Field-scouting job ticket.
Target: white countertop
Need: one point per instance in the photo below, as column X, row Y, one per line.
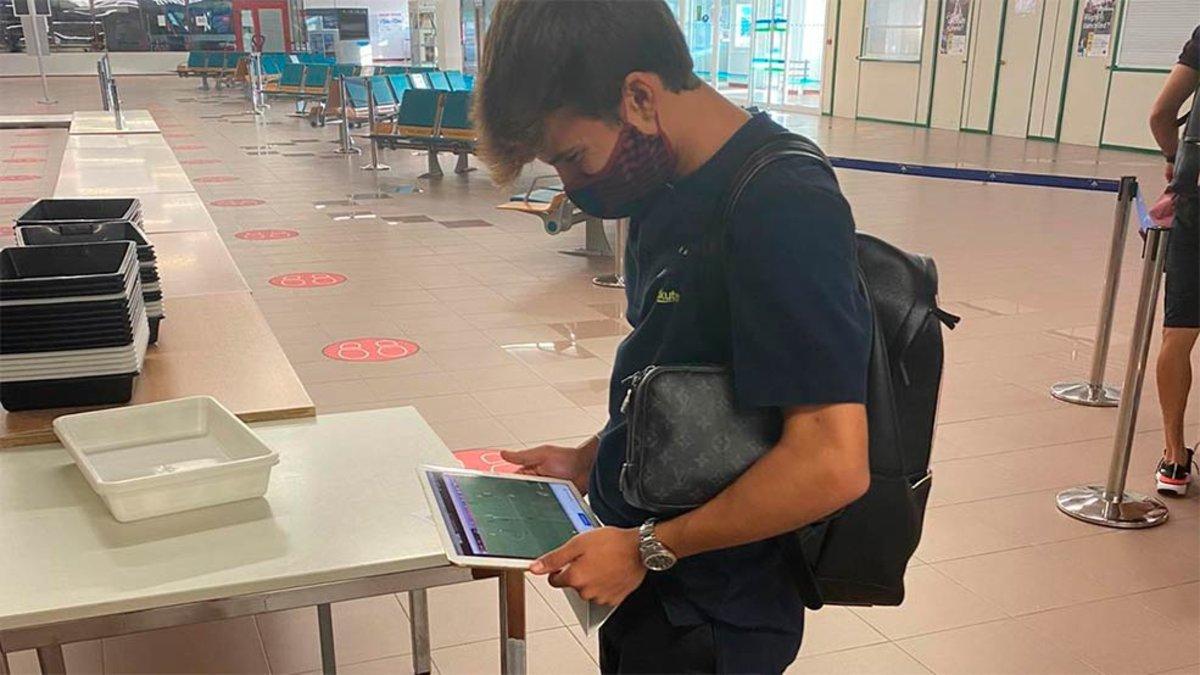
column 102, row 122
column 175, row 212
column 125, row 165
column 344, row 502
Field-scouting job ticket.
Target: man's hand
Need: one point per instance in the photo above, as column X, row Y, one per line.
column 1169, row 172
column 554, row 461
column 603, row 565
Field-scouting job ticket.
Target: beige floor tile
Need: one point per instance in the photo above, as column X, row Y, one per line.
column 932, row 602
column 394, row 665
column 448, row 408
column 1029, row 579
column 834, row 629
column 880, row 659
column 1179, row 604
column 523, row 400
column 231, row 646
column 81, row 658
column 419, row 385
column 340, row 393
column 999, row 647
column 1120, row 635
column 476, row 433
column 544, row 426
column 472, row 358
column 449, row 605
column 573, row 370
column 496, row 377
column 591, row 643
column 363, row 630
column 551, row 652
column 585, row 392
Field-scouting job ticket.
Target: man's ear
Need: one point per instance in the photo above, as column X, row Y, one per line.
column 640, row 97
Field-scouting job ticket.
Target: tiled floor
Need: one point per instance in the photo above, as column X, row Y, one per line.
column 515, row 344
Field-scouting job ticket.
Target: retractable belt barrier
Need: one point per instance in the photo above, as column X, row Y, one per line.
column 1092, row 391
column 1109, row 504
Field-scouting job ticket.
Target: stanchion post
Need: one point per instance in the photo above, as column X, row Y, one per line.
column 1111, row 505
column 346, row 146
column 617, row 278
column 118, row 118
column 374, row 165
column 1094, row 392
column 101, row 73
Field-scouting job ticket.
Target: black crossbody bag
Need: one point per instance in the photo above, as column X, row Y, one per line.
column 687, row 439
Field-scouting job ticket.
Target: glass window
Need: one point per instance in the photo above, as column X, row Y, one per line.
column 1153, row 32
column 892, row 30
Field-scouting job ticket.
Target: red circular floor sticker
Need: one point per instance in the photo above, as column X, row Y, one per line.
column 199, row 161
column 238, row 202
column 484, row 459
column 366, row 349
column 266, row 235
column 214, row 179
column 307, row 280
column 6, row 201
column 18, row 178
column 24, row 160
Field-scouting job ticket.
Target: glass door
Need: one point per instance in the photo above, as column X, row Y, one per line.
column 267, row 18
column 786, row 48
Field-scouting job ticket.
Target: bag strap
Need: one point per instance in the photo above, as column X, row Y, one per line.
column 779, row 146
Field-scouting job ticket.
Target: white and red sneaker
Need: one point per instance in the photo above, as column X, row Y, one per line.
column 1173, row 479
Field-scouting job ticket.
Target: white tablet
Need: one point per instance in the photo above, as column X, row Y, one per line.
column 502, row 520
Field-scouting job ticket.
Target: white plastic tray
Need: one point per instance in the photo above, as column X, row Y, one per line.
column 160, row 458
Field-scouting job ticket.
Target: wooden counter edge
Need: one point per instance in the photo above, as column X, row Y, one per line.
column 44, row 436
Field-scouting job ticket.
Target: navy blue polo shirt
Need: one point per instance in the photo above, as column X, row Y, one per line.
column 797, row 333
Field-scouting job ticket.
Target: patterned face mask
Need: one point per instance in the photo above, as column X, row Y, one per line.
column 639, row 165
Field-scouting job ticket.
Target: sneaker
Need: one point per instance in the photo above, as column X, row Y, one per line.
column 1173, row 479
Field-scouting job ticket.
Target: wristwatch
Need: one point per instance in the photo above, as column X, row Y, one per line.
column 655, row 555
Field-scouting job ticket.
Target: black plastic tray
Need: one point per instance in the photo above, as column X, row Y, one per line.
column 61, row 330
column 66, row 270
column 154, row 321
column 65, row 310
column 84, row 233
column 49, row 211
column 73, row 344
column 33, row 395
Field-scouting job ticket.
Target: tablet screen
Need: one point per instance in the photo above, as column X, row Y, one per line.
column 497, row 517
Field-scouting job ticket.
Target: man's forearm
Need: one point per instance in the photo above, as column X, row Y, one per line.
column 1166, row 134
column 789, row 487
column 587, row 449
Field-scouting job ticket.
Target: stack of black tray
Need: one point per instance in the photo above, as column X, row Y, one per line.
column 74, row 322
column 73, row 221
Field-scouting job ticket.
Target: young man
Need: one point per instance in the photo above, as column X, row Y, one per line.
column 1181, row 316
column 603, row 91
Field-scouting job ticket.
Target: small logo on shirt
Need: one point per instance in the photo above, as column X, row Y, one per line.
column 667, row 297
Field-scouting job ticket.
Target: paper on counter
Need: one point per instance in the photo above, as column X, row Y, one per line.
column 590, row 614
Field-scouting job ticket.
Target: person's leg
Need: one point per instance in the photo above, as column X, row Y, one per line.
column 638, row 638
column 1174, row 381
column 1181, row 325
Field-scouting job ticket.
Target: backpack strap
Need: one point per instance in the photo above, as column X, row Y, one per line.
column 780, row 146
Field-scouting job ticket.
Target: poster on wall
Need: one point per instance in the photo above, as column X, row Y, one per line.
column 1095, row 33
column 954, row 27
column 745, row 24
column 391, row 29
column 1026, row 7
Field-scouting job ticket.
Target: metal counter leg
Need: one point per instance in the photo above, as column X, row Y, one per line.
column 51, row 660
column 617, row 278
column 512, row 622
column 461, row 166
column 433, row 166
column 325, row 630
column 418, row 614
column 4, row 664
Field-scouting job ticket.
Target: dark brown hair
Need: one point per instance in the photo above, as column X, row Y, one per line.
column 540, row 56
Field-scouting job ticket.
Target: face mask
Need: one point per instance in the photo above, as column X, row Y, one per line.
column 639, row 165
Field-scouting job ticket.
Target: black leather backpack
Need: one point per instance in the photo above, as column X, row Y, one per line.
column 859, row 555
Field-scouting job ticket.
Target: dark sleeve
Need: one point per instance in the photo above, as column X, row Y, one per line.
column 801, row 327
column 1190, row 56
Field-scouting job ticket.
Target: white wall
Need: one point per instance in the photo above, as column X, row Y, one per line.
column 1021, row 77
column 84, row 63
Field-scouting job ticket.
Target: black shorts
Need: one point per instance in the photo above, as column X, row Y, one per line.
column 1181, row 300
